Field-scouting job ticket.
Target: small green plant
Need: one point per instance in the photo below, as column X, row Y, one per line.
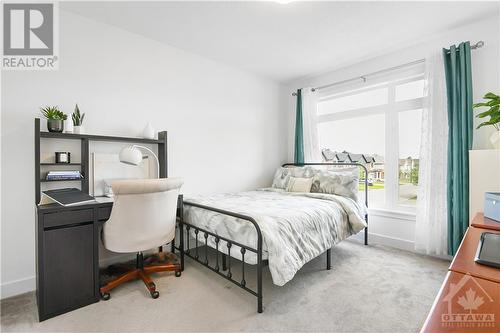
column 77, row 116
column 493, row 103
column 53, row 112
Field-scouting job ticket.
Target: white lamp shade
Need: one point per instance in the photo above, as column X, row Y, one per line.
column 131, row 155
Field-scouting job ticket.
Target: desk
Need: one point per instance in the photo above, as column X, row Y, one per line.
column 465, row 273
column 67, row 255
column 480, row 221
column 464, row 263
column 67, row 238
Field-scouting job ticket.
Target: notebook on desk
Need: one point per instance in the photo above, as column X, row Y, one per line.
column 488, row 250
column 66, row 197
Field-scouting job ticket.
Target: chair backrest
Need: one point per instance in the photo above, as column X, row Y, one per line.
column 143, row 214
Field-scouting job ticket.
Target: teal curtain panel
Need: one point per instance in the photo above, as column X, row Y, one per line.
column 457, row 62
column 299, row 131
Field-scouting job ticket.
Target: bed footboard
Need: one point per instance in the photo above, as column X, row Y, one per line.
column 222, row 264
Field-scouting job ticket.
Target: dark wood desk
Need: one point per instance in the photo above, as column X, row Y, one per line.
column 67, row 238
column 446, row 314
column 67, row 256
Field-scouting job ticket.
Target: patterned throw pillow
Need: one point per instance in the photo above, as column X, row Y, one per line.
column 282, row 175
column 299, row 185
column 343, row 182
column 304, row 172
column 281, row 178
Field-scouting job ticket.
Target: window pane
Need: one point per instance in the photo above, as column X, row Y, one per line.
column 361, row 100
column 360, row 135
column 410, row 90
column 410, row 125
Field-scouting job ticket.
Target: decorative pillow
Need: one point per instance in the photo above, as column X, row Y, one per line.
column 304, row 172
column 282, row 177
column 343, row 182
column 299, row 184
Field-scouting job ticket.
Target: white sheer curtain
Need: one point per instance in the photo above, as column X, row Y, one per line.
column 312, row 152
column 431, row 224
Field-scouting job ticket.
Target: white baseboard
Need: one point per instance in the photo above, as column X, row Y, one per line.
column 17, row 287
column 397, row 243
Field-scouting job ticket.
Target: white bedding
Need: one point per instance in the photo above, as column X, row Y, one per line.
column 296, row 227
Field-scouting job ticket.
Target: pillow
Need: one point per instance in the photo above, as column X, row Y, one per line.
column 283, row 174
column 299, row 184
column 343, row 182
column 304, row 172
column 281, row 178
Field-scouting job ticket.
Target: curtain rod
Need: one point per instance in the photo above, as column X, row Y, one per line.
column 363, row 77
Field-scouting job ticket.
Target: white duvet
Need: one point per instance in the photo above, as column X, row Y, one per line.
column 296, row 227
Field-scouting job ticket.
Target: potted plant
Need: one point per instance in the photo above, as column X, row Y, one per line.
column 55, row 118
column 493, row 104
column 78, row 121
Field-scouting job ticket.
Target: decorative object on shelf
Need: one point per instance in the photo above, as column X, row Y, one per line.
column 78, row 121
column 64, row 175
column 63, row 157
column 55, row 118
column 148, row 132
column 493, row 103
column 68, row 126
column 133, row 156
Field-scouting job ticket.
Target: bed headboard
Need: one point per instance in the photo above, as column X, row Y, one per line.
column 337, row 164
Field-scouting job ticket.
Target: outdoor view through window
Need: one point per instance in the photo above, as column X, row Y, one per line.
column 380, row 127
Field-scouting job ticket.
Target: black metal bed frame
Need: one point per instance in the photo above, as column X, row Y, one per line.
column 223, row 268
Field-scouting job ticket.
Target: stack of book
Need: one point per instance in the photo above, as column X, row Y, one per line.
column 64, row 175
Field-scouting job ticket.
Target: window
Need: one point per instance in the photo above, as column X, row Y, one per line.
column 378, row 124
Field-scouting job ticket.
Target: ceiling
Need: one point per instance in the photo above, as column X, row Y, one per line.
column 285, row 41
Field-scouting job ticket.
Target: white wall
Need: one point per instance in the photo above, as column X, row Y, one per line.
column 226, row 128
column 398, row 230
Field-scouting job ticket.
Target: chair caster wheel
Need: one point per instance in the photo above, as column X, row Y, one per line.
column 105, row 296
column 177, row 273
column 155, row 294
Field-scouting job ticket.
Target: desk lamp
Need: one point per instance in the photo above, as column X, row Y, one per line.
column 133, row 156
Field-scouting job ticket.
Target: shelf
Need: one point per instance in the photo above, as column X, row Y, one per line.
column 60, row 163
column 55, row 135
column 60, row 180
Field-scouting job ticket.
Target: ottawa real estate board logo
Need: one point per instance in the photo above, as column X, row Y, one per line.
column 469, row 306
column 30, row 36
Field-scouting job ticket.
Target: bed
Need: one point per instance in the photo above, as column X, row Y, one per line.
column 273, row 226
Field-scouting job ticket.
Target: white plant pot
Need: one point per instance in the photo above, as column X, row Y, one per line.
column 495, row 139
column 148, row 132
column 79, row 130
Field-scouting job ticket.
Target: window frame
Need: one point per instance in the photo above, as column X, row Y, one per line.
column 391, row 110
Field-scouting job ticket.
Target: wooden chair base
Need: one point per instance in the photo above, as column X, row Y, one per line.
column 142, row 272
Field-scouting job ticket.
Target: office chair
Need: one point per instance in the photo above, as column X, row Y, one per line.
column 143, row 217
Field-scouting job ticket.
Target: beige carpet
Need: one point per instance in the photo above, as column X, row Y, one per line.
column 369, row 289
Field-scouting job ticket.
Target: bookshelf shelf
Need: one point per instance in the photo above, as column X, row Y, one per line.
column 61, row 164
column 60, row 180
column 90, row 137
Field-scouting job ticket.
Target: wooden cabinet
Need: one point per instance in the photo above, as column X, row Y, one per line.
column 69, row 267
column 67, row 257
column 469, row 297
column 448, row 314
